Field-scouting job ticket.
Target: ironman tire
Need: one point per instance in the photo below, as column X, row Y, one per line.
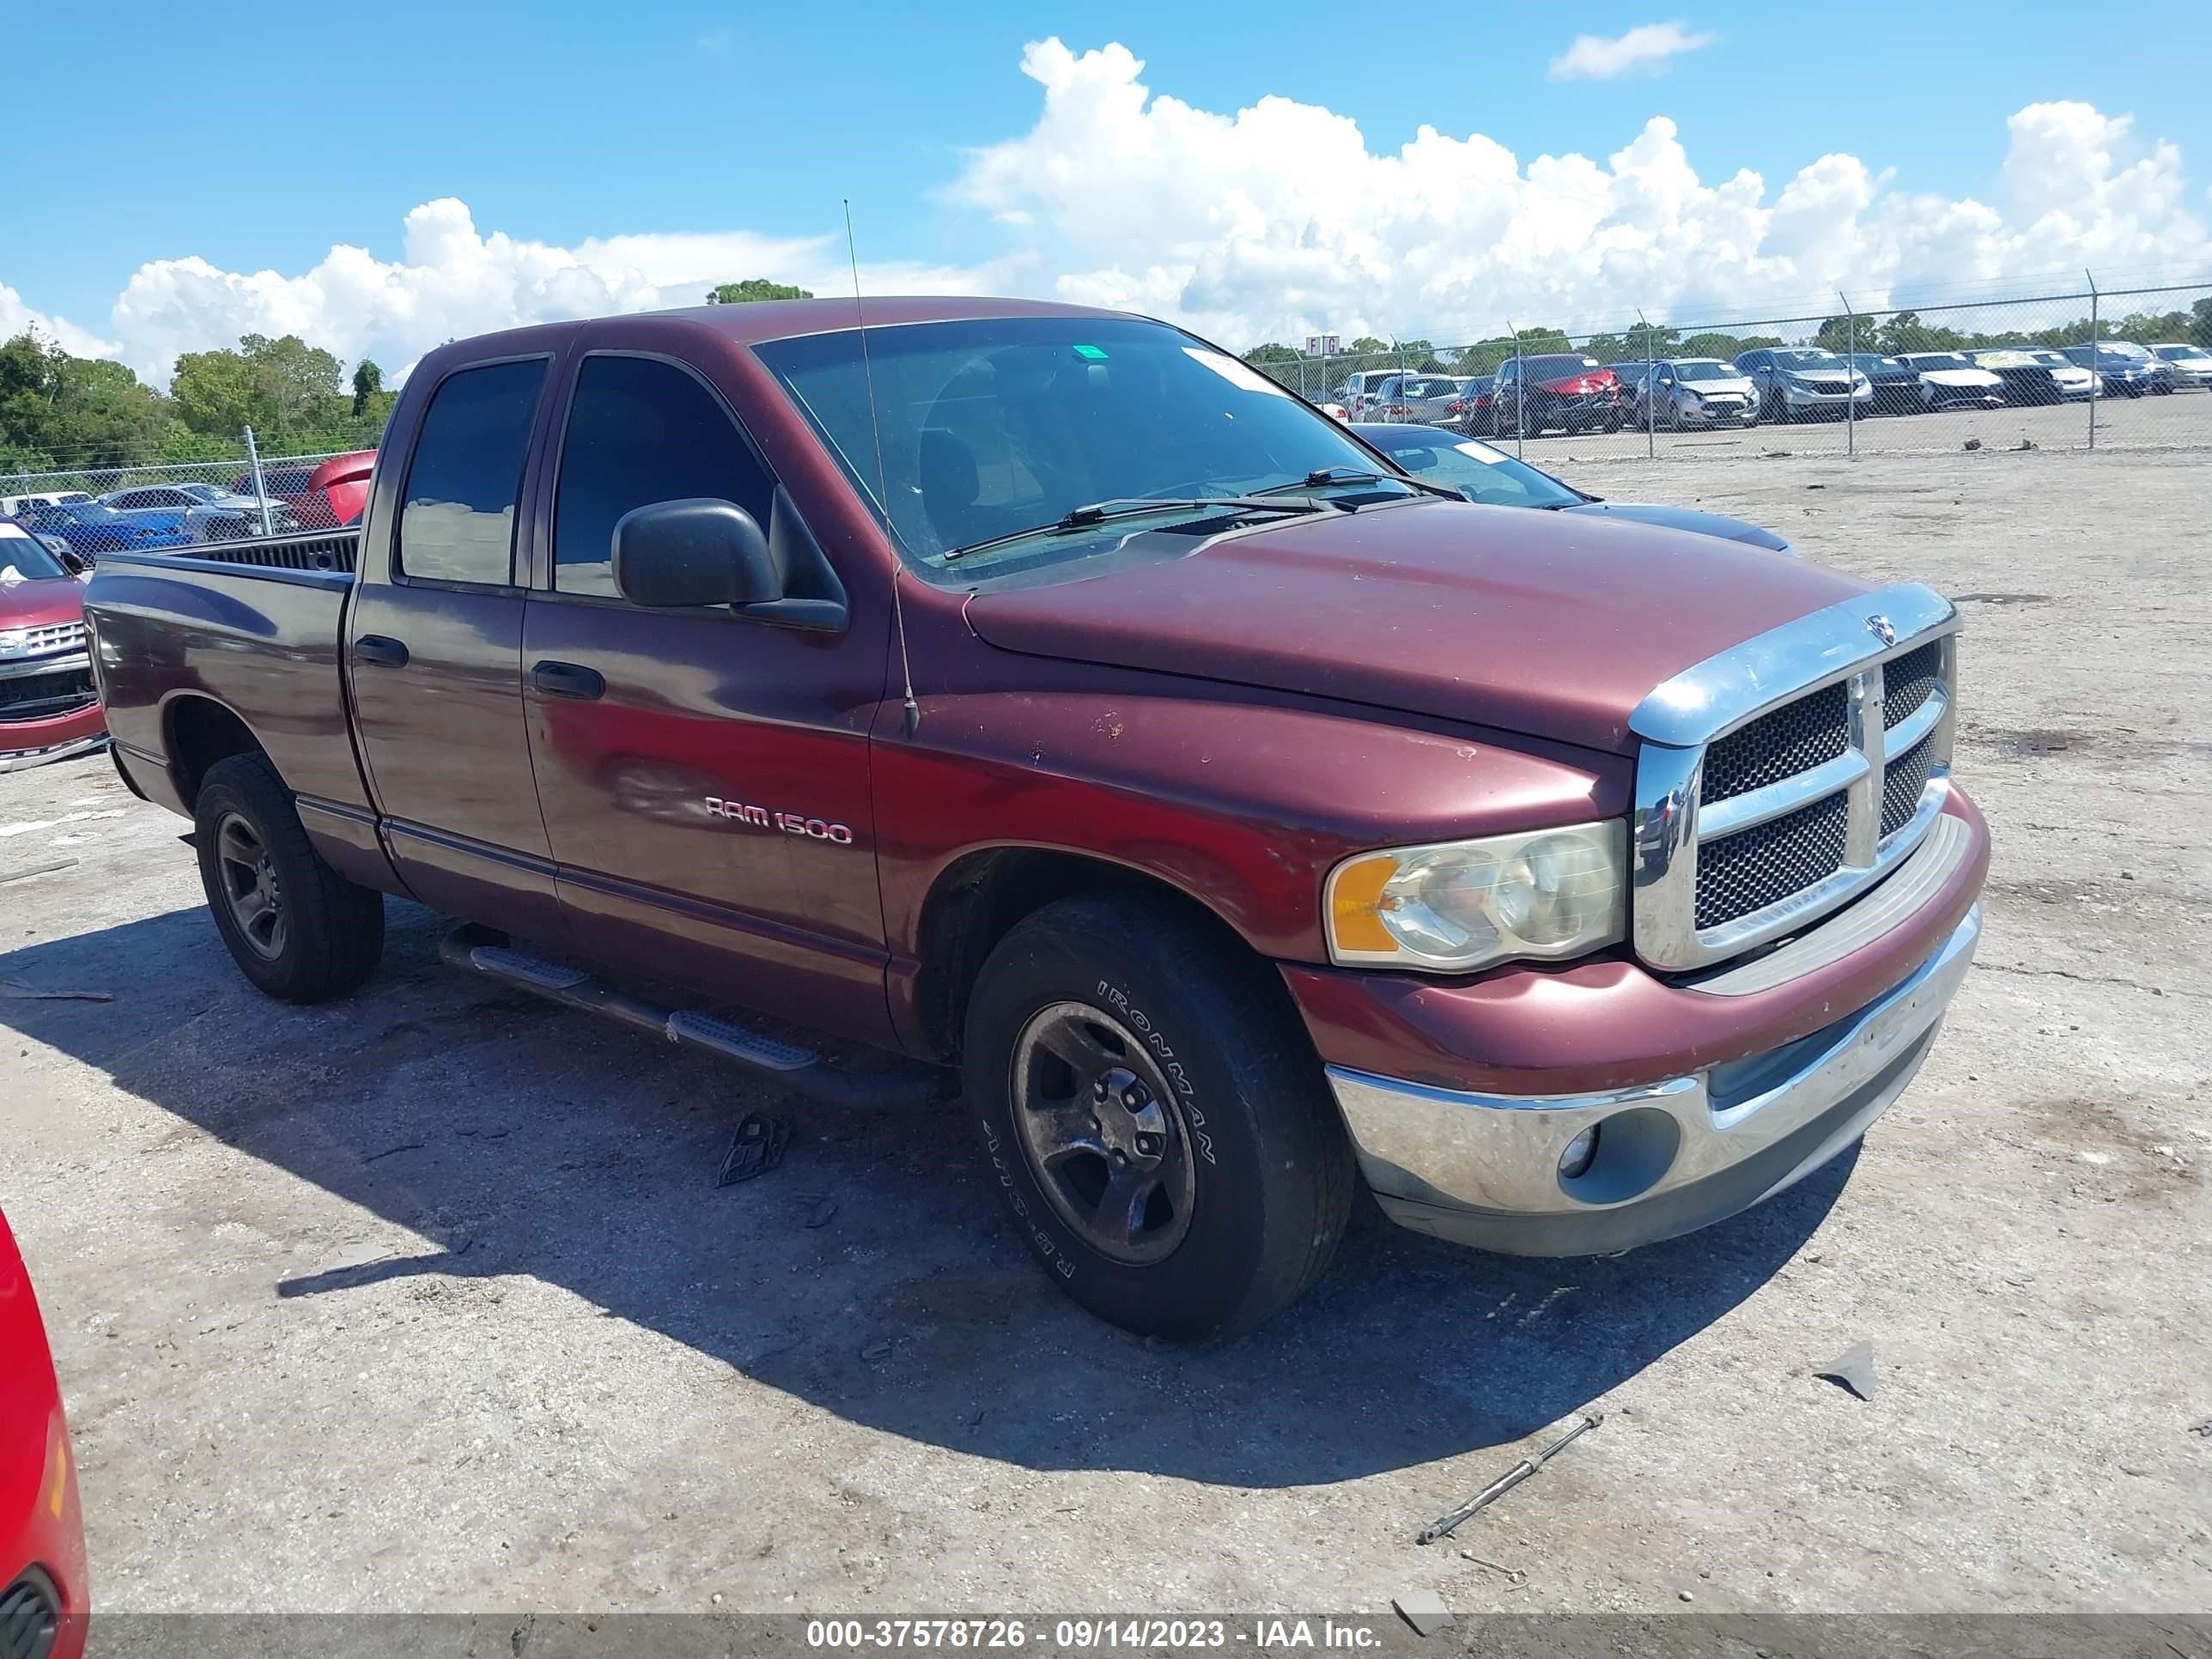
column 1155, row 1118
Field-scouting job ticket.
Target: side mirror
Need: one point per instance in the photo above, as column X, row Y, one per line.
column 698, row 551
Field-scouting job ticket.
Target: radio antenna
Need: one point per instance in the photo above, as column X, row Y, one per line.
column 883, row 487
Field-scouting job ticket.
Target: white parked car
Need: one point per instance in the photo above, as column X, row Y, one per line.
column 15, row 506
column 2035, row 374
column 2193, row 360
column 1691, row 391
column 205, row 511
column 1950, row 380
column 1357, row 391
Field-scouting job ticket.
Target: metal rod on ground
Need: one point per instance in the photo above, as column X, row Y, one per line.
column 261, row 494
column 1442, row 1525
column 2096, row 360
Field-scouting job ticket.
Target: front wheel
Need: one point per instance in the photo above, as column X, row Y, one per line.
column 1155, row 1118
column 297, row 929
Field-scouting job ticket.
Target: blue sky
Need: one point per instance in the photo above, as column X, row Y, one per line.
column 259, row 137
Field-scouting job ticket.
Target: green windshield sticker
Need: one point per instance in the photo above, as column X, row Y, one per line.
column 1093, row 353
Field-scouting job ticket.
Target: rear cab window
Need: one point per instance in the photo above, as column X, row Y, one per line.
column 465, row 479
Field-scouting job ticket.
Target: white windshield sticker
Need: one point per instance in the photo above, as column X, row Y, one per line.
column 1482, row 452
column 1242, row 375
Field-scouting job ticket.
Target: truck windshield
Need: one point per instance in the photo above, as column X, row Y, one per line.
column 998, row 427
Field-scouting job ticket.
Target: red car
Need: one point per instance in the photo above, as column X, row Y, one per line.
column 338, row 490
column 1558, row 390
column 49, row 708
column 43, row 1597
column 325, row 497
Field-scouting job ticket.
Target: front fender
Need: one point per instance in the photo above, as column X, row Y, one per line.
column 1240, row 802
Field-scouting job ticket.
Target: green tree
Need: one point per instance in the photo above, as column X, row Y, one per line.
column 1723, row 346
column 1272, row 352
column 1367, row 343
column 73, row 411
column 1905, row 331
column 754, row 288
column 287, row 390
column 368, row 382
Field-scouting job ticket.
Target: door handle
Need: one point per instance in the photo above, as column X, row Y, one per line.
column 568, row 679
column 375, row 647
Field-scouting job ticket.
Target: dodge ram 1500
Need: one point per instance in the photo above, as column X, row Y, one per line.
column 1041, row 696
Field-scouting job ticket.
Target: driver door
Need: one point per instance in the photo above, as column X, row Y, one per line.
column 703, row 777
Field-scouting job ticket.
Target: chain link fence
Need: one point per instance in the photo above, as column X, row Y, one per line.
column 2094, row 369
column 168, row 504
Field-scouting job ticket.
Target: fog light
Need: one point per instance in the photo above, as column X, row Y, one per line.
column 1576, row 1160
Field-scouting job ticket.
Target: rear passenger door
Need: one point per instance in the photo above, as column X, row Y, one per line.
column 436, row 657
column 703, row 776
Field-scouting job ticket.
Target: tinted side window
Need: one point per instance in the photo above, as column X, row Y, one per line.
column 642, row 431
column 457, row 523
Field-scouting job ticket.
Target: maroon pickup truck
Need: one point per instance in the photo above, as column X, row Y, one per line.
column 1043, row 698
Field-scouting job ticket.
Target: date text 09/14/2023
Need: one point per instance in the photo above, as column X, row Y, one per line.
column 1079, row 1634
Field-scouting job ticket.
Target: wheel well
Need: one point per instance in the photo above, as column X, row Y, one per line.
column 978, row 900
column 202, row 731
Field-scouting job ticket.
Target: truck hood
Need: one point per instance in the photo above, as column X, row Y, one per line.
column 42, row 603
column 1551, row 624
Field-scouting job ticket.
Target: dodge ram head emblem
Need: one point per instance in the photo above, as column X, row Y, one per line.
column 1879, row 627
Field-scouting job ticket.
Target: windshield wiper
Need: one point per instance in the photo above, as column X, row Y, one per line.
column 1324, row 476
column 1131, row 507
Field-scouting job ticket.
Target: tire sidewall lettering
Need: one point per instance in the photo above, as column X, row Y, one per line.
column 1186, row 1091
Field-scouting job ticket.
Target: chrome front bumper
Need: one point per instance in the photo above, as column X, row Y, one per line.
column 1671, row 1157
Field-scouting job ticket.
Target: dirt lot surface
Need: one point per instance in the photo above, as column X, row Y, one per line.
column 426, row 1300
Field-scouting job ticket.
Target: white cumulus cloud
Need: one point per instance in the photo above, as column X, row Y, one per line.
column 17, row 317
column 1271, row 222
column 452, row 280
column 1280, row 220
column 1646, row 50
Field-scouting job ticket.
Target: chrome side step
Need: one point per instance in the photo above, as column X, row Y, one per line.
column 782, row 1065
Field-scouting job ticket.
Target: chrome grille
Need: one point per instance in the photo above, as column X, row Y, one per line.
column 1779, row 778
column 1907, row 681
column 1762, row 865
column 53, row 637
column 1795, row 737
column 1904, row 781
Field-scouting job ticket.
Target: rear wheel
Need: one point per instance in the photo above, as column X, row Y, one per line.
column 1156, row 1120
column 297, row 929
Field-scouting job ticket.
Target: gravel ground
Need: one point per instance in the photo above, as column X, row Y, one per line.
column 426, row 1300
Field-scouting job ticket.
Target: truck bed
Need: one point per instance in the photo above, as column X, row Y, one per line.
column 255, row 626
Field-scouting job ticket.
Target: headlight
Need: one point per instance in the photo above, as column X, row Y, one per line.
column 16, row 642
column 1456, row 906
